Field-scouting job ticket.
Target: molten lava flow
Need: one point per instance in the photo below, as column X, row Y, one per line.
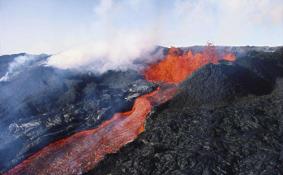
column 82, row 151
column 178, row 65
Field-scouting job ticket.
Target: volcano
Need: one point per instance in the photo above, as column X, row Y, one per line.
column 193, row 111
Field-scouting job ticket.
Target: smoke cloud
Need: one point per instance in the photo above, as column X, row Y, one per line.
column 101, row 56
column 112, row 45
column 122, row 30
column 20, row 64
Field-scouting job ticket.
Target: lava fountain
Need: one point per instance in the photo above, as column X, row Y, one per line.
column 178, row 65
column 81, row 152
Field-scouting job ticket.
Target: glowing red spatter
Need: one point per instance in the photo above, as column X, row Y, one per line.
column 80, row 152
column 178, row 65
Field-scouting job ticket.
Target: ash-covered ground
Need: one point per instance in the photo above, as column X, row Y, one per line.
column 227, row 119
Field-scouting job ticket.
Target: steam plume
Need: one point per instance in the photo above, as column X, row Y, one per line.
column 19, row 64
column 112, row 54
column 115, row 43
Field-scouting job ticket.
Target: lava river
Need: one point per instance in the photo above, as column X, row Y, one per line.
column 81, row 152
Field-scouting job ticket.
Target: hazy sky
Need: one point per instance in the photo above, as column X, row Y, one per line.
column 53, row 26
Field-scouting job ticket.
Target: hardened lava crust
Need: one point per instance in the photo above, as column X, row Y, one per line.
column 227, row 119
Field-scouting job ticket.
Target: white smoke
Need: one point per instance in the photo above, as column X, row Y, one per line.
column 101, row 56
column 114, row 47
column 17, row 66
column 124, row 30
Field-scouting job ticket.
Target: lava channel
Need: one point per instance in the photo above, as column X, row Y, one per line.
column 81, row 152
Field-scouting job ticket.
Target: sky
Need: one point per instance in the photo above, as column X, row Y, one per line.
column 54, row 26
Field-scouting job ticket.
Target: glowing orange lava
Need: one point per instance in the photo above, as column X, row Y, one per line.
column 178, row 65
column 81, row 152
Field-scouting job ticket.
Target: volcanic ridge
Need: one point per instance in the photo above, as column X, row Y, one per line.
column 196, row 110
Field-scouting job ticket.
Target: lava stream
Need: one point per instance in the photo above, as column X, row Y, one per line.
column 80, row 152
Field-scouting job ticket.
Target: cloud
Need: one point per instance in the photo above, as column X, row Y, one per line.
column 117, row 53
column 233, row 22
column 114, row 45
column 104, row 7
column 124, row 30
column 255, row 11
column 55, row 26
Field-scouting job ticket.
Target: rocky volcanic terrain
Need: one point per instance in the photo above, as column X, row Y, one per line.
column 41, row 104
column 225, row 119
